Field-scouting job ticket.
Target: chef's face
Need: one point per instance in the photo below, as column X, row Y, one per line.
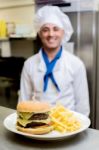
column 51, row 36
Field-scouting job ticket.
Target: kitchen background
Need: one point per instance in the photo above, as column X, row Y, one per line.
column 18, row 41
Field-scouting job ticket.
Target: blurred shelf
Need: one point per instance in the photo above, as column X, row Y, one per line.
column 17, row 37
column 4, row 39
column 21, row 37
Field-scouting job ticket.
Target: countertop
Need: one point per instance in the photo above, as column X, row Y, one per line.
column 87, row 140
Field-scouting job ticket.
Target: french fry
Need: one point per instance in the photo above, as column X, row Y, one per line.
column 63, row 120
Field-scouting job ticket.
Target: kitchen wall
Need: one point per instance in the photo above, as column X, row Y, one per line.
column 20, row 11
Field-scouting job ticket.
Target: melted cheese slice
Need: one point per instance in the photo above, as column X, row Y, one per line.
column 25, row 115
column 24, row 122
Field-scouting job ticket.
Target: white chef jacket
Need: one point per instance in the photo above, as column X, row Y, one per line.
column 69, row 73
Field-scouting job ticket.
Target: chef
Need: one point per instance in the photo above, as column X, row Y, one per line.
column 54, row 74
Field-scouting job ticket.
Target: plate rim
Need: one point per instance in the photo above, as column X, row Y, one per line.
column 45, row 136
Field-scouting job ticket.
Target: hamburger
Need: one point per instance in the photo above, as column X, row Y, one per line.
column 33, row 117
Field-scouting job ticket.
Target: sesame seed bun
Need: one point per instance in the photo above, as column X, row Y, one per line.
column 39, row 130
column 33, row 106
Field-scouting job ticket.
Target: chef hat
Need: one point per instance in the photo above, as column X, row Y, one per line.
column 52, row 14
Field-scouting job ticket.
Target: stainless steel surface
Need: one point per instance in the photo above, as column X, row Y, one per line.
column 97, row 77
column 88, row 139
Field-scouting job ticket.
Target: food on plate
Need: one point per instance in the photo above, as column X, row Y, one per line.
column 33, row 117
column 37, row 117
column 64, row 120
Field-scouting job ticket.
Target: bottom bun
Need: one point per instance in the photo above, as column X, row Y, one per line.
column 38, row 130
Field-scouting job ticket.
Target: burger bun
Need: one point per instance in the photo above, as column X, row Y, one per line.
column 38, row 130
column 33, row 106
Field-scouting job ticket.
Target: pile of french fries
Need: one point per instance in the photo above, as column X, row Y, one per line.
column 64, row 120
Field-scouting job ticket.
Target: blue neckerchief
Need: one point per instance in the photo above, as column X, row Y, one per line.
column 50, row 67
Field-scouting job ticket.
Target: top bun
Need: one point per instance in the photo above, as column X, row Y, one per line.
column 33, row 106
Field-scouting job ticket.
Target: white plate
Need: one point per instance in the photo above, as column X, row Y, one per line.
column 10, row 122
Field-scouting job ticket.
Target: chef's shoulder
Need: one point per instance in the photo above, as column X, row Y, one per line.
column 74, row 61
column 31, row 60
